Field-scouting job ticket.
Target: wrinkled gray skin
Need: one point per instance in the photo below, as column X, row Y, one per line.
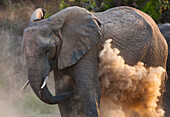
column 165, row 30
column 69, row 43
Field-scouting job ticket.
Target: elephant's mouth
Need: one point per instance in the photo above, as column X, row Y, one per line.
column 45, row 80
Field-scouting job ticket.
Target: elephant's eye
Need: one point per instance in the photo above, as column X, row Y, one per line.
column 47, row 51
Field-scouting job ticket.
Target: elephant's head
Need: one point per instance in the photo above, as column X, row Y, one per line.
column 59, row 41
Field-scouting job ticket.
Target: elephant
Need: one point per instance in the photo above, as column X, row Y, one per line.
column 165, row 30
column 69, row 42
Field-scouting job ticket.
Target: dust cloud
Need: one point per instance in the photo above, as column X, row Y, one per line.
column 8, row 109
column 128, row 91
column 13, row 75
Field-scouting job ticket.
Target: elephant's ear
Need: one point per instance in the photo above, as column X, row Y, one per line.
column 80, row 32
column 37, row 15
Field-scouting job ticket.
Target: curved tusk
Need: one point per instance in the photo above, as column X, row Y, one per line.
column 45, row 82
column 25, row 85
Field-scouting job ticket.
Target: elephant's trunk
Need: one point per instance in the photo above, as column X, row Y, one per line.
column 36, row 80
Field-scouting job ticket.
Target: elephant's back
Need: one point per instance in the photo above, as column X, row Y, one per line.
column 132, row 32
column 123, row 16
column 126, row 22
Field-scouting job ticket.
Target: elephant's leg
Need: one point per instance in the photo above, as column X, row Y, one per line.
column 86, row 78
column 70, row 107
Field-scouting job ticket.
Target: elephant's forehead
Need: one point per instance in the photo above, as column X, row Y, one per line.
column 29, row 33
column 35, row 28
column 30, row 40
column 32, row 33
column 43, row 24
